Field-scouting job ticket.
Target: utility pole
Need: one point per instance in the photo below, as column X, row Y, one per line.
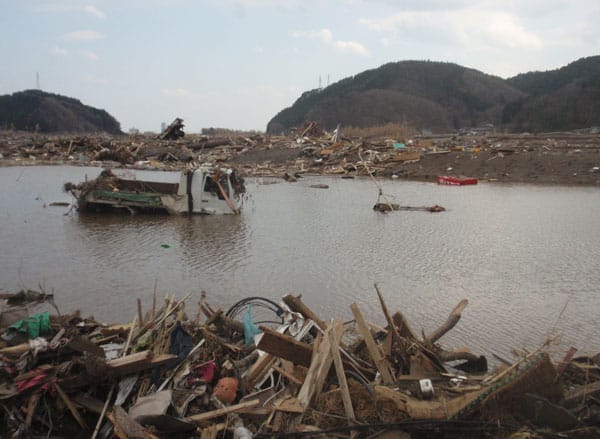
column 37, row 80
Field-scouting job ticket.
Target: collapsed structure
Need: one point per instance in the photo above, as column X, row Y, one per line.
column 177, row 371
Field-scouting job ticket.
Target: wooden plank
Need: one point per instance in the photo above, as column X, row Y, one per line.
column 334, row 342
column 32, row 404
column 387, row 315
column 138, row 362
column 287, row 375
column 296, row 305
column 404, row 328
column 71, row 407
column 258, row 371
column 289, row 405
column 222, row 411
column 89, row 403
column 560, row 368
column 139, row 309
column 126, row 427
column 284, row 346
column 579, row 393
column 318, row 370
column 381, row 363
column 130, row 360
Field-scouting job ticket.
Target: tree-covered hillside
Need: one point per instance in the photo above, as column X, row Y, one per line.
column 35, row 110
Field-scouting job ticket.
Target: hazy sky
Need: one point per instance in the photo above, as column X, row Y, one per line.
column 236, row 63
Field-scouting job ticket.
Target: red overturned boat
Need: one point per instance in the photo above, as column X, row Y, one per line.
column 455, row 181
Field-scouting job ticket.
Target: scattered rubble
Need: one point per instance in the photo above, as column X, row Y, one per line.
column 179, row 372
column 552, row 158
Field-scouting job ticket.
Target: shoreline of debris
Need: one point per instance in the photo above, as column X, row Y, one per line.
column 266, row 368
column 552, row 158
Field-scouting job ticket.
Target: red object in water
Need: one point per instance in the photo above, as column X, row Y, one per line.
column 455, row 181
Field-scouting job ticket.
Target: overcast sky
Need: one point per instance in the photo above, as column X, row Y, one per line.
column 236, row 63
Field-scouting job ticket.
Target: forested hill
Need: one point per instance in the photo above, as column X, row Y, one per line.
column 35, row 110
column 562, row 99
column 445, row 96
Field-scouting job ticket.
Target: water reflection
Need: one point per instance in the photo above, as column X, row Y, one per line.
column 525, row 256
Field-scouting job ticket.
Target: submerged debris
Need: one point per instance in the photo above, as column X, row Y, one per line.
column 168, row 374
column 201, row 190
column 388, row 207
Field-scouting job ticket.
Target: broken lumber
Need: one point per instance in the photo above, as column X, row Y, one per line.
column 284, row 346
column 137, row 362
column 334, row 342
column 222, row 411
column 71, row 407
column 126, row 427
column 381, row 363
column 296, row 305
column 452, row 320
column 319, row 368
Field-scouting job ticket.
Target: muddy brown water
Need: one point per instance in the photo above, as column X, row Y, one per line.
column 526, row 257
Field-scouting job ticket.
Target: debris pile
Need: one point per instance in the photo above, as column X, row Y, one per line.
column 173, row 131
column 551, row 158
column 171, row 374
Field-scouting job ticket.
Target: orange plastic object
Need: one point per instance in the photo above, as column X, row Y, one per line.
column 226, row 389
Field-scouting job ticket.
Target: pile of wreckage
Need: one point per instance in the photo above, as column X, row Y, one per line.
column 168, row 150
column 306, row 150
column 224, row 374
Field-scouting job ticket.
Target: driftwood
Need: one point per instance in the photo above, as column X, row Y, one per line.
column 452, row 320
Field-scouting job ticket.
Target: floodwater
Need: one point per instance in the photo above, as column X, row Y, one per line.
column 525, row 256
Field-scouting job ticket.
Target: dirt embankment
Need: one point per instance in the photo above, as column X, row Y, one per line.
column 558, row 158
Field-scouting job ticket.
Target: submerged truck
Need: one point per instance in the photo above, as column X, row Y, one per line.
column 201, row 190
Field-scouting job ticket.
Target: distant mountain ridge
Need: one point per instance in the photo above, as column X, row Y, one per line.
column 446, row 96
column 562, row 99
column 36, row 110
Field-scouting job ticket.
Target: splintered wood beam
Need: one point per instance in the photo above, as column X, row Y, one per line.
column 334, row 343
column 381, row 363
column 387, row 315
column 290, row 377
column 258, row 370
column 319, row 368
column 206, row 416
column 138, row 362
column 71, row 407
column 32, row 404
column 284, row 346
column 296, row 305
column 404, row 327
column 452, row 320
column 126, row 427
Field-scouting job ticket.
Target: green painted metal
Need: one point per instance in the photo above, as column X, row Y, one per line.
column 144, row 198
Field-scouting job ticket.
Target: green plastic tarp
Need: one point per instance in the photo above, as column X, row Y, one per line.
column 33, row 326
